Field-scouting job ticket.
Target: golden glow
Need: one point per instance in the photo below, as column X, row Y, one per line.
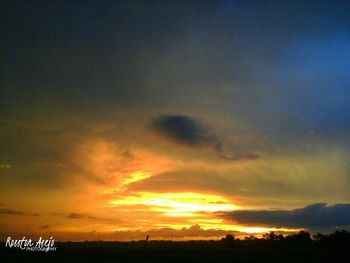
column 136, row 176
column 259, row 230
column 218, row 224
column 132, row 178
column 145, row 210
column 122, row 190
column 178, row 204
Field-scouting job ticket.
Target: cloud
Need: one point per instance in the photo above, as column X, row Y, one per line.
column 89, row 217
column 186, row 130
column 44, row 227
column 316, row 215
column 8, row 211
column 80, row 216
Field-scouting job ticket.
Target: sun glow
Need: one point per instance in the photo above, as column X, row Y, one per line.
column 122, row 173
column 132, row 178
column 178, row 204
column 260, row 230
column 136, row 176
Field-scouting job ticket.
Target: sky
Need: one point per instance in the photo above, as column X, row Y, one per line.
column 178, row 119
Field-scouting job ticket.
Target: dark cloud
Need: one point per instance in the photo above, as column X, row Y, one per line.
column 44, row 227
column 8, row 211
column 185, row 130
column 79, row 216
column 313, row 216
column 89, row 217
column 188, row 131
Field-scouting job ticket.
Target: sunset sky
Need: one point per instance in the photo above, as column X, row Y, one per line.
column 178, row 119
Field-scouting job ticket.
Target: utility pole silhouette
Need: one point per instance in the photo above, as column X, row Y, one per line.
column 146, row 241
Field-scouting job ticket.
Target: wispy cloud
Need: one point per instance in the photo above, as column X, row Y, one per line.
column 80, row 216
column 8, row 211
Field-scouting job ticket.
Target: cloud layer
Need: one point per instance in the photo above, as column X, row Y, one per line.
column 316, row 215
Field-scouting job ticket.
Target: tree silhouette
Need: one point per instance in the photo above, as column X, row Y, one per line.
column 271, row 236
column 320, row 237
column 228, row 239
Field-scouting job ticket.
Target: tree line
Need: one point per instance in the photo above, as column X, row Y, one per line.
column 339, row 237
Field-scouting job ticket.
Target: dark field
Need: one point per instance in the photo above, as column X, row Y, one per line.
column 189, row 251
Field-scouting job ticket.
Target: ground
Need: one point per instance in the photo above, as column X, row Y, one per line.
column 190, row 251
